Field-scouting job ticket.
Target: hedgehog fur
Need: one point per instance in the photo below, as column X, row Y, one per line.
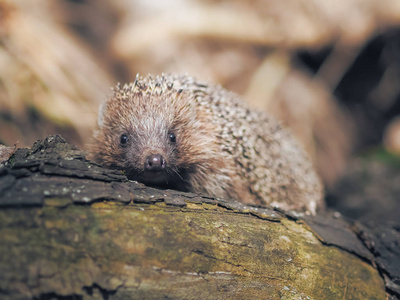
column 175, row 132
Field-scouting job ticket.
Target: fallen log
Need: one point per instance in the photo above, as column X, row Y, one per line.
column 70, row 229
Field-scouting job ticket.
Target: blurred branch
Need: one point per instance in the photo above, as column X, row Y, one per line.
column 270, row 23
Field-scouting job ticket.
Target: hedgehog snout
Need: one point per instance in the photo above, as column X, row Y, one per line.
column 155, row 163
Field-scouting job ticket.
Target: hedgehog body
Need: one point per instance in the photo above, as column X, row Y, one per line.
column 175, row 132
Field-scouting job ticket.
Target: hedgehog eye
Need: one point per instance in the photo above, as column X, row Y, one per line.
column 172, row 137
column 124, row 140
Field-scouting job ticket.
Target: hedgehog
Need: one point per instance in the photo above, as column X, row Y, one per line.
column 173, row 131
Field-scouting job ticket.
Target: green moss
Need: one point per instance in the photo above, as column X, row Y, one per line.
column 382, row 155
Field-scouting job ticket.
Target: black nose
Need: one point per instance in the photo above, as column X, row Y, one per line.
column 154, row 163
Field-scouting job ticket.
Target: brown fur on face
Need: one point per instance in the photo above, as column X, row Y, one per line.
column 148, row 116
column 220, row 147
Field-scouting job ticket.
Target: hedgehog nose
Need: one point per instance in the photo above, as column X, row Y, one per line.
column 154, row 163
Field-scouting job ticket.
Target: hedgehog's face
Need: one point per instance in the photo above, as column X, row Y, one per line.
column 157, row 140
column 149, row 157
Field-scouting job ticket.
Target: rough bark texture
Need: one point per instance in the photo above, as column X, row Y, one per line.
column 70, row 229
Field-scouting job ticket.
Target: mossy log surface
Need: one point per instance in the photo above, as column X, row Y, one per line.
column 70, row 229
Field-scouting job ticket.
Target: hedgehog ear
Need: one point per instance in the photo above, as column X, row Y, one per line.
column 100, row 119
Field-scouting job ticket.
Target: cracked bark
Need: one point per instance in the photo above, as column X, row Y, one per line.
column 72, row 230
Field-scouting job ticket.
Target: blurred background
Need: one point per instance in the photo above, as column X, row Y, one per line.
column 328, row 69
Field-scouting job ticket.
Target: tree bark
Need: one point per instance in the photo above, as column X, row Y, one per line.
column 70, row 229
